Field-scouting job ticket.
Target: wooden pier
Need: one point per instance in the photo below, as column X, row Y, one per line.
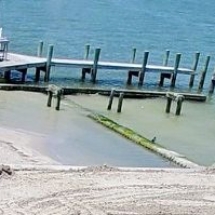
column 22, row 63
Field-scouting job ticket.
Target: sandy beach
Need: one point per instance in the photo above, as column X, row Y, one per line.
column 41, row 185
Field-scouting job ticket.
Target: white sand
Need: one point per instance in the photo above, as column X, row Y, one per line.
column 41, row 186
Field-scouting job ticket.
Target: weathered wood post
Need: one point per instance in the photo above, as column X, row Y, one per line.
column 203, row 75
column 134, row 50
column 174, row 75
column 143, row 70
column 179, row 99
column 164, row 75
column 119, row 108
column 96, row 59
column 132, row 73
column 169, row 102
column 111, row 99
column 24, row 73
column 58, row 96
column 194, row 67
column 86, row 57
column 37, row 74
column 40, row 49
column 50, row 96
column 48, row 63
column 212, row 84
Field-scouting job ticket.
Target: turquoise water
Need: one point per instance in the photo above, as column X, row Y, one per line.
column 116, row 26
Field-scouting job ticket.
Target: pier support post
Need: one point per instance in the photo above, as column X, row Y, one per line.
column 212, row 84
column 179, row 99
column 24, row 73
column 49, row 102
column 58, row 96
column 119, row 108
column 132, row 73
column 7, row 75
column 40, row 49
column 194, row 67
column 86, row 56
column 37, row 74
column 94, row 70
column 169, row 103
column 134, row 50
column 48, row 63
column 111, row 99
column 203, row 75
column 143, row 70
column 164, row 75
column 174, row 75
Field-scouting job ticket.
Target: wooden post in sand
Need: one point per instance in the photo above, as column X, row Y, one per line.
column 203, row 75
column 111, row 99
column 195, row 64
column 48, row 63
column 164, row 75
column 50, row 95
column 94, row 70
column 174, row 75
column 119, row 108
column 169, row 102
column 179, row 99
column 85, row 69
column 143, row 70
column 40, row 49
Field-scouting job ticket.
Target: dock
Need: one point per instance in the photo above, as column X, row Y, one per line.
column 22, row 63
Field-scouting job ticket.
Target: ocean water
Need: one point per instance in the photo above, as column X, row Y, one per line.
column 116, row 26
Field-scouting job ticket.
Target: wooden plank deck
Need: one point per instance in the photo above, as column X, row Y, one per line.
column 18, row 61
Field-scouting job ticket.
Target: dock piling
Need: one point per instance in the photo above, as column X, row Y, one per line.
column 203, row 75
column 194, row 67
column 174, row 97
column 164, row 75
column 85, row 69
column 174, row 75
column 119, row 108
column 134, row 50
column 40, row 49
column 143, row 70
column 169, row 103
column 48, row 63
column 49, row 102
column 110, row 102
column 87, row 52
column 179, row 99
column 212, row 84
column 94, row 70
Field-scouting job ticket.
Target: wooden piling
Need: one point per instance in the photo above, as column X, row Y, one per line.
column 24, row 73
column 7, row 75
column 37, row 74
column 179, row 99
column 194, row 67
column 174, row 75
column 143, row 70
column 212, row 84
column 134, row 50
column 169, row 103
column 58, row 96
column 87, row 52
column 119, row 108
column 48, row 63
column 40, row 49
column 96, row 59
column 203, row 75
column 49, row 102
column 111, row 99
column 164, row 75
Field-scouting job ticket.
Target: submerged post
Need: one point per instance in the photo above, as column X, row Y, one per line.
column 164, row 75
column 174, row 75
column 119, row 108
column 111, row 99
column 143, row 70
column 58, row 96
column 179, row 99
column 40, row 49
column 49, row 102
column 202, row 80
column 96, row 59
column 194, row 67
column 48, row 63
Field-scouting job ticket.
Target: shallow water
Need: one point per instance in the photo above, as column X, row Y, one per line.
column 68, row 136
